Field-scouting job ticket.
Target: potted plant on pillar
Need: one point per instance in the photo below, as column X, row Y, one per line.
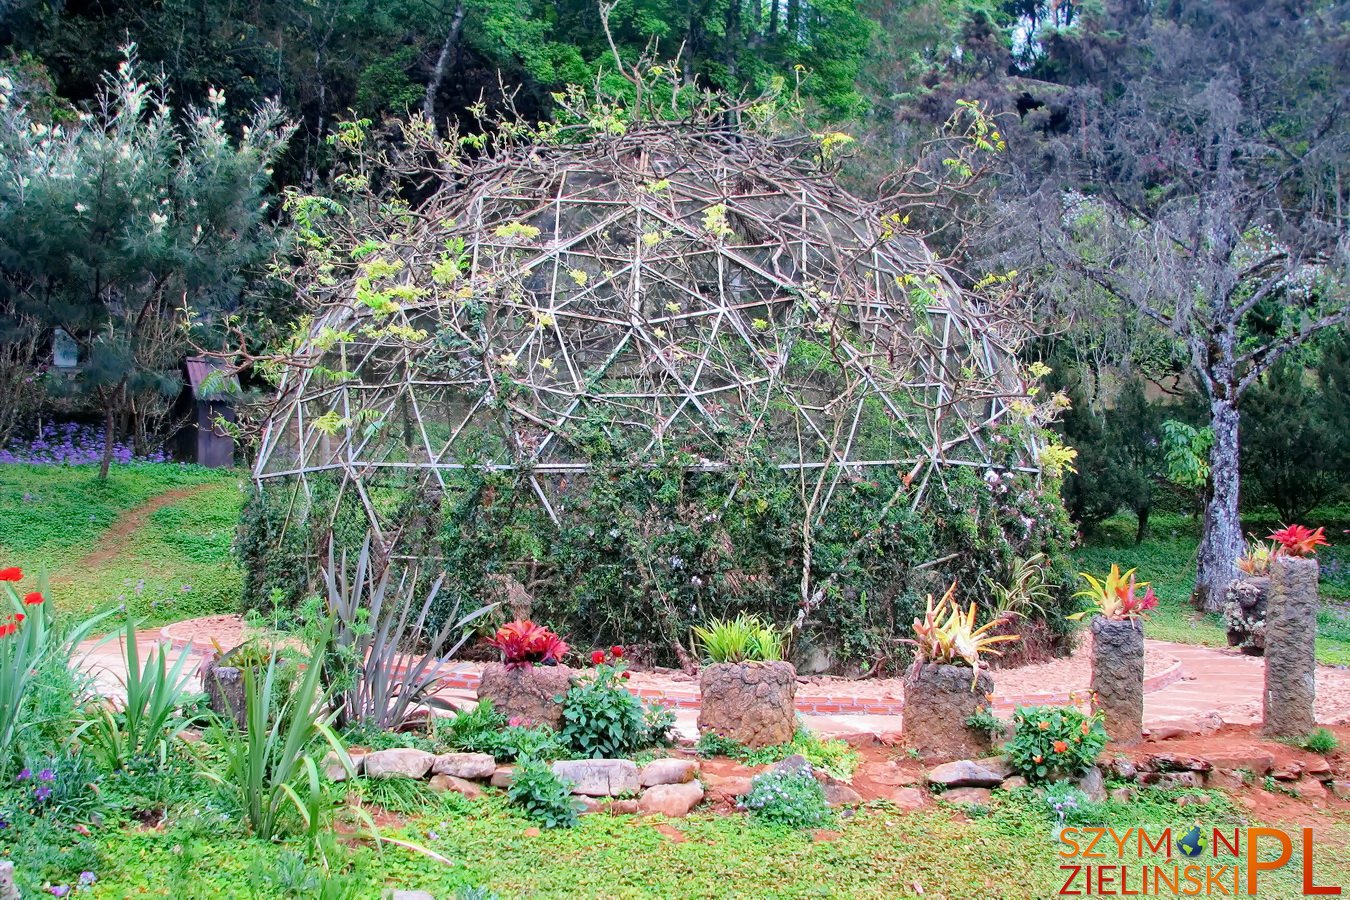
column 1244, row 608
column 1291, row 631
column 530, row 681
column 946, row 685
column 1119, row 604
column 747, row 691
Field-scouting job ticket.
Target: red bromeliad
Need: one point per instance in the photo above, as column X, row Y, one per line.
column 1299, row 540
column 523, row 643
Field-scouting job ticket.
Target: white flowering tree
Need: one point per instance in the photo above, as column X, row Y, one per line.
column 119, row 225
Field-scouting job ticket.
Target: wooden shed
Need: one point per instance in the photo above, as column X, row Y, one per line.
column 209, row 396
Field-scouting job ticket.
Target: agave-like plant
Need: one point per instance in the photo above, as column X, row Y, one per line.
column 380, row 626
column 1117, row 597
column 947, row 635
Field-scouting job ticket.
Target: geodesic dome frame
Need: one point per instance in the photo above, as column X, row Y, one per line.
column 696, row 295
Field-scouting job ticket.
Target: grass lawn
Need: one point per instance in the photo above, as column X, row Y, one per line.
column 1008, row 850
column 175, row 564
column 1167, row 559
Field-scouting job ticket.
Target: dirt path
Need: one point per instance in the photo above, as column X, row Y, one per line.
column 114, row 540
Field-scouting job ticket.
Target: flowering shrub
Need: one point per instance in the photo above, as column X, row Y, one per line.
column 71, row 444
column 1117, row 597
column 1299, row 540
column 545, row 798
column 1053, row 741
column 523, row 643
column 601, row 718
column 791, row 797
column 947, row 634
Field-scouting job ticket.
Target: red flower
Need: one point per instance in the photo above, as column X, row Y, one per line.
column 617, row 651
column 19, row 617
column 597, row 657
column 33, row 599
column 13, row 573
column 1060, row 746
column 626, row 675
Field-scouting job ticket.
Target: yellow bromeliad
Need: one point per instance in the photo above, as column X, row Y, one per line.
column 947, row 634
column 1117, row 597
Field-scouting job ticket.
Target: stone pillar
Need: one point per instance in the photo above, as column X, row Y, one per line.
column 1291, row 661
column 751, row 703
column 938, row 701
column 8, row 890
column 1118, row 677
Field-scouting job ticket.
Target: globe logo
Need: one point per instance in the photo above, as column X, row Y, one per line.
column 1193, row 843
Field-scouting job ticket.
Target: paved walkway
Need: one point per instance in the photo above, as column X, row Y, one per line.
column 1195, row 681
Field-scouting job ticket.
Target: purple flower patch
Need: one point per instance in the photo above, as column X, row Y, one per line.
column 71, row 444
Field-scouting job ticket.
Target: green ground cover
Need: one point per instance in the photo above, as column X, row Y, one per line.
column 1007, row 850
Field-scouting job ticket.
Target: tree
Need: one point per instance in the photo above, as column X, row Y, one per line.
column 1119, row 454
column 1295, row 446
column 1200, row 181
column 120, row 227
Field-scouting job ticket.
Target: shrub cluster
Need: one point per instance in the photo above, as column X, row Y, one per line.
column 1051, row 742
column 642, row 554
column 542, row 795
column 788, row 796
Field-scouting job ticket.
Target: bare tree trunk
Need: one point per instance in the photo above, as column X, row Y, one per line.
column 449, row 47
column 109, row 437
column 1221, row 531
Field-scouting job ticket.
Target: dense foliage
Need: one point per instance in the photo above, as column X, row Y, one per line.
column 644, row 555
column 1052, row 742
column 789, row 796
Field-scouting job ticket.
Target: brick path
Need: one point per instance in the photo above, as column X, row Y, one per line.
column 1207, row 680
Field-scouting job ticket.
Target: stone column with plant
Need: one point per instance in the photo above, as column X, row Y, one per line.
column 530, row 682
column 1119, row 604
column 945, row 688
column 747, row 691
column 1246, row 599
column 1291, row 630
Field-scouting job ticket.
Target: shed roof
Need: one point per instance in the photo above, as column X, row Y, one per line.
column 209, row 372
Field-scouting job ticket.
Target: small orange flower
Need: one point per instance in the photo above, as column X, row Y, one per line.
column 1060, row 746
column 1045, row 726
column 1085, row 728
column 989, row 696
column 1037, row 759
